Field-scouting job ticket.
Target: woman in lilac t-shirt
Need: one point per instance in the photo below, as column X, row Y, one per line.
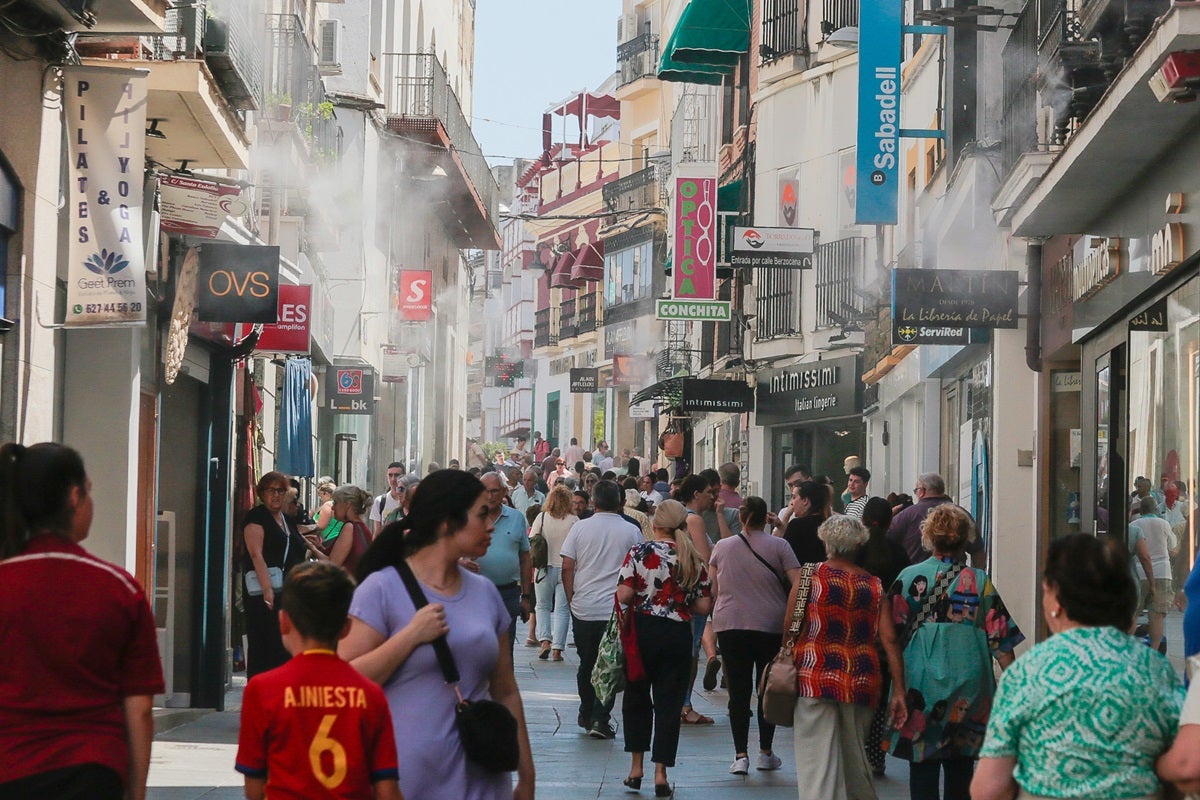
column 752, row 575
column 387, row 640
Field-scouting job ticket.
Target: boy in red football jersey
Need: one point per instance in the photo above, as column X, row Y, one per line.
column 315, row 727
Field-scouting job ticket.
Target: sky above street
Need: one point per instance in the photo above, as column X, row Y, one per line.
column 530, row 55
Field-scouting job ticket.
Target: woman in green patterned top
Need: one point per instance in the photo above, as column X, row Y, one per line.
column 1085, row 713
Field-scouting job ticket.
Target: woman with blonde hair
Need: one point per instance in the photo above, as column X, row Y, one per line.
column 353, row 539
column 664, row 582
column 553, row 611
column 955, row 625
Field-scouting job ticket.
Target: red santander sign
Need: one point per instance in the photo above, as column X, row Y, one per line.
column 291, row 333
column 415, row 300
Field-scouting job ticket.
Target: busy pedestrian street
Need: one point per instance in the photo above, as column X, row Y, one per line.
column 193, row 759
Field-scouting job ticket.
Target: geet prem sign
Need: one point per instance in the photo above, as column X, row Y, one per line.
column 812, row 391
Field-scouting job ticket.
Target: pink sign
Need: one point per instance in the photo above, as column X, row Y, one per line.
column 290, row 334
column 695, row 269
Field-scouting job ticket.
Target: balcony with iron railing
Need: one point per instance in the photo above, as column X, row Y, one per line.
column 204, row 73
column 422, row 106
column 839, row 267
column 566, row 320
column 543, row 334
column 637, row 59
column 587, row 320
column 781, row 34
column 644, row 189
column 776, row 303
column 696, row 125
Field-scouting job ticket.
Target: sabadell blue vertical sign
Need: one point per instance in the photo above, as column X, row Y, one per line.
column 879, row 41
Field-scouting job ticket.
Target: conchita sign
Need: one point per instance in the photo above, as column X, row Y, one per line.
column 695, row 260
column 879, row 43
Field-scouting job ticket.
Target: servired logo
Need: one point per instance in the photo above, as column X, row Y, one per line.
column 415, row 300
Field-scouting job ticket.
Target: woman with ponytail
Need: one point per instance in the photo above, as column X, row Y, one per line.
column 448, row 522
column 665, row 582
column 81, row 664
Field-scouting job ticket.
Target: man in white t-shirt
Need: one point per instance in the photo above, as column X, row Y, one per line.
column 385, row 503
column 1157, row 589
column 602, row 458
column 592, row 555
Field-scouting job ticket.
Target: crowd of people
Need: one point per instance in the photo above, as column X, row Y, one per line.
column 385, row 619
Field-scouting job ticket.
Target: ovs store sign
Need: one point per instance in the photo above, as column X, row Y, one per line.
column 105, row 116
column 415, row 301
column 695, row 208
column 238, row 283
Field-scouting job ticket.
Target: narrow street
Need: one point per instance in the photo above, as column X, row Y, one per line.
column 195, row 760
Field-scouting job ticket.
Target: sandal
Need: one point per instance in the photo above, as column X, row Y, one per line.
column 556, row 655
column 693, row 717
column 531, row 642
column 633, row 783
column 545, row 651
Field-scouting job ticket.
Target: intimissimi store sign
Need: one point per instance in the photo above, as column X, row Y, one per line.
column 808, row 392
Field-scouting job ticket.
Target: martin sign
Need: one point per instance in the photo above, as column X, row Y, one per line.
column 784, row 248
column 940, row 306
column 813, row 391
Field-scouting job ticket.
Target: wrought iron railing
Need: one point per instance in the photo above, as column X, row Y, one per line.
column 566, row 320
column 839, row 269
column 781, row 32
column 418, row 88
column 638, row 58
column 696, row 125
column 775, row 302
column 543, row 336
column 1019, row 70
column 225, row 37
column 641, row 189
column 838, row 14
column 587, row 320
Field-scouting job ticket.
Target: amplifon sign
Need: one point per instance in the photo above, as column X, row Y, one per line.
column 695, row 209
column 290, row 334
column 415, row 299
column 879, row 40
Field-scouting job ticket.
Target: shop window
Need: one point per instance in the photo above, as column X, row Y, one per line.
column 630, row 274
column 1163, row 421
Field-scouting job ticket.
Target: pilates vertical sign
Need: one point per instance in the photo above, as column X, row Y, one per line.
column 105, row 111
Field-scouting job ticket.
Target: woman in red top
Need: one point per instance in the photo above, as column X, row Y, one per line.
column 838, row 667
column 80, row 665
column 349, row 504
column 665, row 583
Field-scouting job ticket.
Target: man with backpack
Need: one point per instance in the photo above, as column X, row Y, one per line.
column 385, row 503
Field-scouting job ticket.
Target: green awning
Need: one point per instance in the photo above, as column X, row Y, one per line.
column 714, row 33
column 729, row 197
column 676, row 72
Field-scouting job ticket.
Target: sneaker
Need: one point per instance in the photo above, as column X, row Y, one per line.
column 768, row 762
column 710, row 673
column 740, row 766
column 602, row 730
column 582, row 722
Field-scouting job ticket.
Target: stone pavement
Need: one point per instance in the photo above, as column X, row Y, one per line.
column 195, row 759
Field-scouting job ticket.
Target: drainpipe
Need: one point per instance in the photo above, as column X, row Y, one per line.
column 1033, row 320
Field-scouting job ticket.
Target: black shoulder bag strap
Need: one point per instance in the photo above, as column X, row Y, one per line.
column 444, row 656
column 940, row 587
column 787, row 587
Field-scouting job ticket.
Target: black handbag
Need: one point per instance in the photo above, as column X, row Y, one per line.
column 487, row 729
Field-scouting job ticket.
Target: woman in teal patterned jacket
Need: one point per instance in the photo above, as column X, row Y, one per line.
column 1085, row 713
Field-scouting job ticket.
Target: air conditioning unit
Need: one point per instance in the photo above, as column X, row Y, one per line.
column 627, row 28
column 329, row 47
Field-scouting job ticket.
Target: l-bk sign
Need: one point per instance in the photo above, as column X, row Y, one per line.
column 415, row 299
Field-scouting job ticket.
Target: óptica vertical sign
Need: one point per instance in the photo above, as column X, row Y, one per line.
column 695, row 217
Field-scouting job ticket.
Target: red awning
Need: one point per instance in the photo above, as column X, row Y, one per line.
column 561, row 276
column 588, row 264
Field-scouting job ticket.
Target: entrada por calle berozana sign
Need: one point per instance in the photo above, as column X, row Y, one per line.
column 941, row 306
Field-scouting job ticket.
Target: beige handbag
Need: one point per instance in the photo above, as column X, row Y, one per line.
column 778, row 687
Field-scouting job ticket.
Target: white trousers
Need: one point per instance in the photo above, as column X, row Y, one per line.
column 830, row 745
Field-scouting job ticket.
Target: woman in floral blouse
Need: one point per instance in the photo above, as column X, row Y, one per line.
column 665, row 582
column 1085, row 713
column 955, row 625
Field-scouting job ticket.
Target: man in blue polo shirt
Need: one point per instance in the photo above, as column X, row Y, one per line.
column 507, row 562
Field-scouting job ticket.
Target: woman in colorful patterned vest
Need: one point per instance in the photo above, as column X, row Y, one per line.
column 1085, row 713
column 954, row 625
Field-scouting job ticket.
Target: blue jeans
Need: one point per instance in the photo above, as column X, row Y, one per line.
column 698, row 623
column 553, row 611
column 512, row 601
